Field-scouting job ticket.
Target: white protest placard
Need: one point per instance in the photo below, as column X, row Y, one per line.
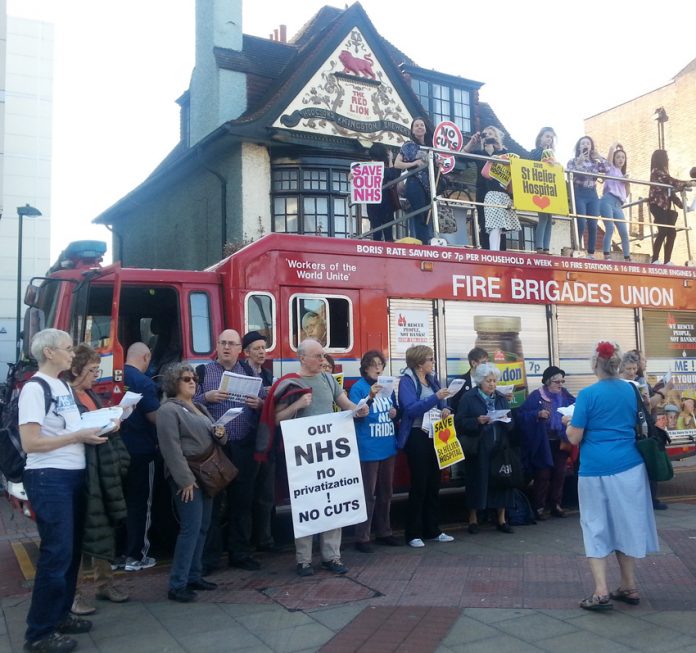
column 324, row 477
column 447, row 136
column 412, row 328
column 366, row 182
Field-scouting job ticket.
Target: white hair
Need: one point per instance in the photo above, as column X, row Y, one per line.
column 47, row 338
column 483, row 371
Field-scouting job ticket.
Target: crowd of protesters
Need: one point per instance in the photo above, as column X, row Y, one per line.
column 84, row 483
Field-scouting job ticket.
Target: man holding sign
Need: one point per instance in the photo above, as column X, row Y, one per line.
column 320, row 493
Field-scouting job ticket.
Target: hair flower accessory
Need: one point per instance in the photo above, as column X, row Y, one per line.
column 605, row 349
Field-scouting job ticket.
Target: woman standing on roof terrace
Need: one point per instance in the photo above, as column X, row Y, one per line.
column 544, row 147
column 586, row 160
column 610, row 206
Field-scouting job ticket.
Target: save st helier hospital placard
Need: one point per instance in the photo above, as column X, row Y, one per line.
column 324, row 477
column 538, row 186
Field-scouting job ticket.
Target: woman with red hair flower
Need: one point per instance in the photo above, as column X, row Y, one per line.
column 615, row 505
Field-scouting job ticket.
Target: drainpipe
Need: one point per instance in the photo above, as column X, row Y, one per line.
column 223, row 198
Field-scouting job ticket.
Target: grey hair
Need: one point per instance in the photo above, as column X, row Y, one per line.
column 483, row 371
column 171, row 375
column 609, row 366
column 47, row 338
column 629, row 358
column 302, row 347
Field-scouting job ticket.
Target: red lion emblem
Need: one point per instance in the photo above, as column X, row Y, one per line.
column 356, row 65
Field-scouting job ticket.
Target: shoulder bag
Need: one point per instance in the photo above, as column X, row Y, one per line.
column 651, row 445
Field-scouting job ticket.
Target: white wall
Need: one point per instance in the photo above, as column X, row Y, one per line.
column 26, row 176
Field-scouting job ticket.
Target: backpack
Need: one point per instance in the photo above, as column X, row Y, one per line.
column 12, row 456
column 520, row 512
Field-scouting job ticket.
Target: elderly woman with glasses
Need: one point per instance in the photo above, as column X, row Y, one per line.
column 185, row 429
column 474, row 422
column 545, row 447
column 54, row 479
column 419, row 394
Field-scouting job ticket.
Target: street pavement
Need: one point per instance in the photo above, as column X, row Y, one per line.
column 489, row 592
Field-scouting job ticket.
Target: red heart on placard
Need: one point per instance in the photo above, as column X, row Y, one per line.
column 444, row 435
column 541, row 202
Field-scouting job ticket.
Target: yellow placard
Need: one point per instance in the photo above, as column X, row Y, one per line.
column 538, row 186
column 339, row 379
column 447, row 447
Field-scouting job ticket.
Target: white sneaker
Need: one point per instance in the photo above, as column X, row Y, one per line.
column 657, row 261
column 417, row 543
column 443, row 537
column 670, row 263
column 137, row 565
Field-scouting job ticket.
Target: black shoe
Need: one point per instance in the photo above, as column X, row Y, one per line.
column 204, row 585
column 182, row 595
column 389, row 540
column 659, row 505
column 558, row 512
column 74, row 626
column 540, row 516
column 305, row 569
column 54, row 643
column 473, row 528
column 269, row 548
column 247, row 563
column 505, row 528
column 363, row 547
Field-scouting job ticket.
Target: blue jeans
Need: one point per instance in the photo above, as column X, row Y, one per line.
column 58, row 497
column 610, row 207
column 418, row 198
column 194, row 520
column 587, row 203
column 542, row 237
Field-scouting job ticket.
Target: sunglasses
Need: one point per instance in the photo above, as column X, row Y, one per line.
column 188, row 378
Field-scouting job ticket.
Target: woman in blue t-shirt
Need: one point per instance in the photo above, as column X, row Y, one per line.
column 376, row 435
column 615, row 506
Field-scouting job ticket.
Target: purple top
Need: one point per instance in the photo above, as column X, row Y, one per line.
column 597, row 166
column 616, row 188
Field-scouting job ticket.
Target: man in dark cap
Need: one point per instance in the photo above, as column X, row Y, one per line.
column 254, row 345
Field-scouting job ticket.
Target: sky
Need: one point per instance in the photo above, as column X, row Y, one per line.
column 120, row 65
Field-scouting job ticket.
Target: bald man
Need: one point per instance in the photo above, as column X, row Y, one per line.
column 241, row 440
column 140, row 437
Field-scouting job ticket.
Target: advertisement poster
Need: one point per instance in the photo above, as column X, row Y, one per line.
column 412, row 328
column 324, row 477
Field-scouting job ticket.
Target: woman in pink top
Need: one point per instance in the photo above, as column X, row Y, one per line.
column 610, row 206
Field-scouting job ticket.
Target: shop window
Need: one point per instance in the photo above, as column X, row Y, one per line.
column 260, row 316
column 326, row 319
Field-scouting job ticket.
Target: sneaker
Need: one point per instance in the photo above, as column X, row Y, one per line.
column 138, row 565
column 669, row 263
column 54, row 643
column 113, row 594
column 336, row 566
column 81, row 607
column 416, row 543
column 74, row 626
column 304, row 569
column 442, row 537
column 119, row 564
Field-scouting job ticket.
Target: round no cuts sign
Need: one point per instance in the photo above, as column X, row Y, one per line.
column 324, row 477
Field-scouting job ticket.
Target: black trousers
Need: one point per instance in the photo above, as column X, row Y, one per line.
column 424, row 495
column 139, row 492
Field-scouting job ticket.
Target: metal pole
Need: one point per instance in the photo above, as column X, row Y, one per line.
column 19, row 284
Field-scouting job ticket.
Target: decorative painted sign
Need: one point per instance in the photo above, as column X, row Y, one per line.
column 350, row 96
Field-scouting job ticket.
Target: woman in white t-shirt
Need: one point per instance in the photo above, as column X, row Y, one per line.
column 54, row 479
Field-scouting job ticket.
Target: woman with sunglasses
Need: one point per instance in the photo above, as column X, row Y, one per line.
column 185, row 429
column 545, row 447
column 106, row 472
column 54, row 479
column 419, row 393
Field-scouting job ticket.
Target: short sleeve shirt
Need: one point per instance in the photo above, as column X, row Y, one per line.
column 325, row 390
column 62, row 417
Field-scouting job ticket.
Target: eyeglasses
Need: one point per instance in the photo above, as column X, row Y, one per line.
column 316, row 357
column 559, row 381
column 96, row 371
column 69, row 348
column 188, row 379
column 229, row 343
column 429, row 359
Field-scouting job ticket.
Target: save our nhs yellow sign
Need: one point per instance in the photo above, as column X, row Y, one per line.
column 538, row 186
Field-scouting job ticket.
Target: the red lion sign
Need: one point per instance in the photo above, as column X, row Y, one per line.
column 356, row 65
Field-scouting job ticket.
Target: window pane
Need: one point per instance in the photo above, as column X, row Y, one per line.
column 309, row 319
column 316, row 216
column 285, row 179
column 260, row 317
column 201, row 340
column 342, row 224
column 285, row 214
column 339, row 181
column 315, row 179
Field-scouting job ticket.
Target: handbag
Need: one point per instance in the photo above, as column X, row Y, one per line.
column 651, row 444
column 213, row 470
column 506, row 468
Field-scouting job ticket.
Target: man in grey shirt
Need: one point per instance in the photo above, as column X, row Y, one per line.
column 324, row 393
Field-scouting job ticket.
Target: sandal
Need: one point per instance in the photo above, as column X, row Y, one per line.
column 627, row 596
column 595, row 602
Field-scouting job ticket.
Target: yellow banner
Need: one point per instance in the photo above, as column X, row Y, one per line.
column 538, row 186
column 447, row 447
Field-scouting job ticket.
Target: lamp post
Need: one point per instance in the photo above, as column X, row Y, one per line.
column 22, row 212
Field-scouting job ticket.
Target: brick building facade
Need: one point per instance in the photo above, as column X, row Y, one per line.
column 634, row 125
